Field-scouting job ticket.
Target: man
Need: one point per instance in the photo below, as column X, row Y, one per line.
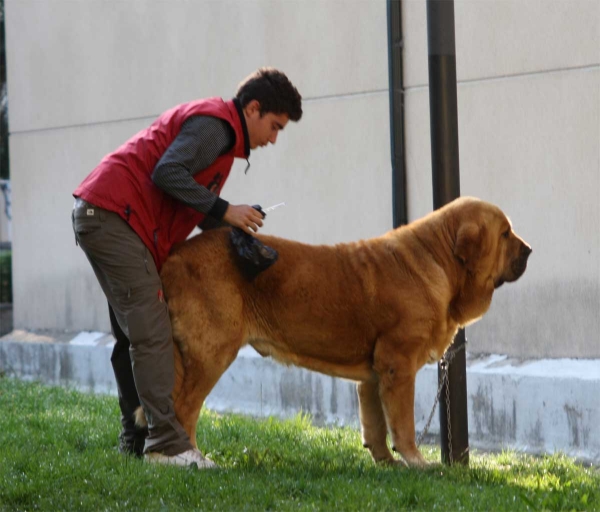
column 141, row 200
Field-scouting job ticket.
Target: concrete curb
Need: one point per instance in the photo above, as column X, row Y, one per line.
column 541, row 406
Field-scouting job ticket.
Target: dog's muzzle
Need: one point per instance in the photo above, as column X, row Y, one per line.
column 517, row 267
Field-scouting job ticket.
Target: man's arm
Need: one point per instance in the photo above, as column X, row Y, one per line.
column 201, row 140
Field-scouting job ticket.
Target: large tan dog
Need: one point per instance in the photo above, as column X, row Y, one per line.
column 374, row 311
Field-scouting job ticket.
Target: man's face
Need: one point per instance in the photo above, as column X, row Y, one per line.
column 263, row 129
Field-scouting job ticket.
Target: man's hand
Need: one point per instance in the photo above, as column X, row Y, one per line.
column 244, row 217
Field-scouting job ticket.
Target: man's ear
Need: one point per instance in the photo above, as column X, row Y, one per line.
column 467, row 244
column 252, row 107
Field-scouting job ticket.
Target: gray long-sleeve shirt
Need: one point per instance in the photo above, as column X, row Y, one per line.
column 201, row 140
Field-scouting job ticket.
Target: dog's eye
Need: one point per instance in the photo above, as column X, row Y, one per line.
column 506, row 233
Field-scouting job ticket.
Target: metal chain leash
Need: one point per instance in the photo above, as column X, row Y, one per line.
column 437, row 399
column 447, row 358
column 448, row 409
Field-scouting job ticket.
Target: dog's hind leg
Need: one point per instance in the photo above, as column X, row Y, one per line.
column 200, row 372
column 372, row 422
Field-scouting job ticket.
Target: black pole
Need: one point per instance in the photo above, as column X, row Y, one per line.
column 395, row 47
column 454, row 429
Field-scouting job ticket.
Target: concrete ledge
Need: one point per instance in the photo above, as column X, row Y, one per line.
column 540, row 406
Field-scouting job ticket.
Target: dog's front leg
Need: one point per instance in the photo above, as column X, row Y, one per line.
column 372, row 422
column 397, row 391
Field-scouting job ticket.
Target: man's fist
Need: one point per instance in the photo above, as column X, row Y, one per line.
column 245, row 217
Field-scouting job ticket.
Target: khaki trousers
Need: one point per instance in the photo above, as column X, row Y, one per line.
column 145, row 372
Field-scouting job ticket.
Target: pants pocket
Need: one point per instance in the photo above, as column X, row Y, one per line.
column 86, row 221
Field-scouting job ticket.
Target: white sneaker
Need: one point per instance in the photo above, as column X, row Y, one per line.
column 188, row 458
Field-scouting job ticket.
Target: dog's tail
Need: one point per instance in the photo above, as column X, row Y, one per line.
column 139, row 416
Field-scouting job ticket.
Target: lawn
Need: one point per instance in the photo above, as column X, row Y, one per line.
column 58, row 452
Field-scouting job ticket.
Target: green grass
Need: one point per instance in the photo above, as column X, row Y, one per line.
column 58, row 452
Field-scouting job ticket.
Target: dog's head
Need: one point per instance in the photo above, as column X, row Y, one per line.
column 485, row 243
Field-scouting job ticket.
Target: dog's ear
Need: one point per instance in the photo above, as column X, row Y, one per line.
column 468, row 244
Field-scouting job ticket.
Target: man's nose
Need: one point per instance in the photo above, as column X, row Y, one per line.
column 273, row 138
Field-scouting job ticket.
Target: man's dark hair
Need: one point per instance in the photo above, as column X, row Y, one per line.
column 275, row 93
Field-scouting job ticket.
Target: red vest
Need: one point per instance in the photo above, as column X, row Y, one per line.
column 122, row 182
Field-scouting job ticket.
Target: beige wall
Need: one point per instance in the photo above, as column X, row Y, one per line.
column 86, row 74
column 529, row 135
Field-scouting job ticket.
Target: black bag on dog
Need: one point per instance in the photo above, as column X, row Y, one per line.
column 253, row 257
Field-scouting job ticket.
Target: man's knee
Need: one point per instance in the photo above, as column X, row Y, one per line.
column 149, row 329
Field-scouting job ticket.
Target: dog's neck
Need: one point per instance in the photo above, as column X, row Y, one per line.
column 472, row 299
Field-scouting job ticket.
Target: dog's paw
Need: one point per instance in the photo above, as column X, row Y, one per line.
column 417, row 461
column 392, row 462
column 413, row 458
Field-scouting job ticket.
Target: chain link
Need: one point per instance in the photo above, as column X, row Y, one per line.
column 445, row 361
